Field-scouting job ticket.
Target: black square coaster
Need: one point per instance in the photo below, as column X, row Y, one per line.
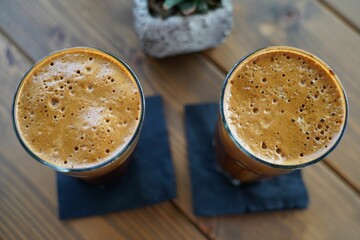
column 213, row 194
column 148, row 180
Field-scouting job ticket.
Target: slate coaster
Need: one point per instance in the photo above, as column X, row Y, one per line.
column 213, row 194
column 148, row 180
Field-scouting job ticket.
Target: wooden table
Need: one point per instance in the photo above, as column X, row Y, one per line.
column 30, row 30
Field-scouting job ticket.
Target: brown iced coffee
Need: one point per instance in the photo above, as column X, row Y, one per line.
column 281, row 109
column 79, row 111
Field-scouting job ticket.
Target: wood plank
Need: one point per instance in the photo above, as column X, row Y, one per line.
column 23, row 211
column 28, row 202
column 348, row 10
column 303, row 24
column 332, row 208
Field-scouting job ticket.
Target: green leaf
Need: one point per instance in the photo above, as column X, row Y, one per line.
column 202, row 7
column 157, row 10
column 187, row 8
column 171, row 3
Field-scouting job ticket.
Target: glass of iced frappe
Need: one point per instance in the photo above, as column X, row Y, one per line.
column 281, row 109
column 79, row 111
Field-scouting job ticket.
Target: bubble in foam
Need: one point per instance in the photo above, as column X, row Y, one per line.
column 54, row 102
column 278, row 150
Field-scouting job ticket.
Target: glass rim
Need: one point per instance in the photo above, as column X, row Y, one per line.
column 248, row 153
column 97, row 166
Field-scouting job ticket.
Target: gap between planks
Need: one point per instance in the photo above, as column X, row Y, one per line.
column 207, row 233
column 17, row 46
column 340, row 16
column 340, row 174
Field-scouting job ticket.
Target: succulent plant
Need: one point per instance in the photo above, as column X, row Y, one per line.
column 166, row 8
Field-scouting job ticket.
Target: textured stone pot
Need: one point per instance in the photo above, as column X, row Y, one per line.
column 178, row 34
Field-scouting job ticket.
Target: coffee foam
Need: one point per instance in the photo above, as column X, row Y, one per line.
column 78, row 108
column 284, row 107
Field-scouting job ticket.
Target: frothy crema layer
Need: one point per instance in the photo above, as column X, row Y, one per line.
column 77, row 108
column 284, row 106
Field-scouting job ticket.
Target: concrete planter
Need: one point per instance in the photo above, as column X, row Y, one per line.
column 178, row 35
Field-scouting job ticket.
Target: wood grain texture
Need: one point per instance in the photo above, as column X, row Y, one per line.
column 326, row 218
column 40, row 26
column 28, row 202
column 348, row 10
column 178, row 79
column 306, row 25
